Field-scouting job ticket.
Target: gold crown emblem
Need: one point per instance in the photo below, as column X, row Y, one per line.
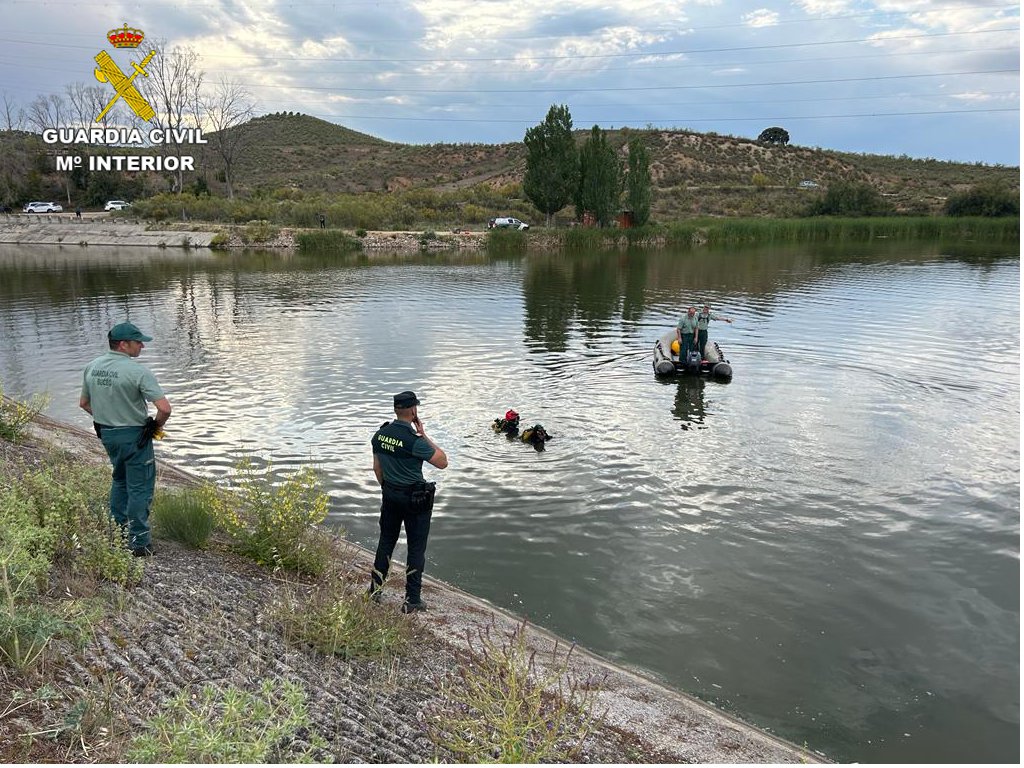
column 127, row 37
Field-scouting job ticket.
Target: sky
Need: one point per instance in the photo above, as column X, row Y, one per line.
column 922, row 78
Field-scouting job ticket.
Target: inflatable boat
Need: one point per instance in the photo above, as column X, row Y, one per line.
column 667, row 362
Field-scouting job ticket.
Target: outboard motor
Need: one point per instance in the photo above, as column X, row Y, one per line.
column 692, row 362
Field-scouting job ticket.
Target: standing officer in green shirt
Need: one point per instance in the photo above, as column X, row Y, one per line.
column 115, row 390
column 686, row 333
column 399, row 449
column 702, row 327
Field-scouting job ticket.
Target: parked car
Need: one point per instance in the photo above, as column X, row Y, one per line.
column 808, row 184
column 37, row 207
column 116, row 205
column 507, row 222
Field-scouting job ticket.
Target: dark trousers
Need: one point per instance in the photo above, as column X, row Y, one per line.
column 685, row 346
column 397, row 510
column 702, row 340
column 132, row 482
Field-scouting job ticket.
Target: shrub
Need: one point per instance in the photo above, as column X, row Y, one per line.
column 50, row 516
column 16, row 414
column 850, row 199
column 344, row 622
column 182, row 516
column 71, row 503
column 230, row 726
column 256, row 232
column 505, row 709
column 273, row 525
column 327, row 241
column 984, row 200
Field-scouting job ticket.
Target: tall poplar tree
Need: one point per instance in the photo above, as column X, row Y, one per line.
column 598, row 190
column 551, row 162
column 638, row 182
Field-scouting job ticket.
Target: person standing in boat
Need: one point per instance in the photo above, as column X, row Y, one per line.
column 399, row 449
column 686, row 333
column 703, row 318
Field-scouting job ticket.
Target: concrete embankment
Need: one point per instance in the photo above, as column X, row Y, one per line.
column 94, row 229
column 102, row 229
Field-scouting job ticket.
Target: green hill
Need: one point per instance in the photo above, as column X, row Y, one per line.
column 694, row 174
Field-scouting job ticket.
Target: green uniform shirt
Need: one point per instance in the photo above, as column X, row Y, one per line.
column 687, row 325
column 401, row 452
column 702, row 320
column 117, row 389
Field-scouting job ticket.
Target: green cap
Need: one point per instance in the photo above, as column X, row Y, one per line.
column 127, row 332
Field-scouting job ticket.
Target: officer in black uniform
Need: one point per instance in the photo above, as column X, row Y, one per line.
column 399, row 449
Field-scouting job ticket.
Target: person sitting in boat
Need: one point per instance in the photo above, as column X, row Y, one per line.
column 686, row 333
column 703, row 318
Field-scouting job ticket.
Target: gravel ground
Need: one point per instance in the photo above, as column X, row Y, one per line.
column 209, row 617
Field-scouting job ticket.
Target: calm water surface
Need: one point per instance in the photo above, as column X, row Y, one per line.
column 827, row 546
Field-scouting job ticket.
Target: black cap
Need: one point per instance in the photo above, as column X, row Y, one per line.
column 406, row 399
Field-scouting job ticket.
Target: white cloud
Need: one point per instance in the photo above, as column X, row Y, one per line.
column 762, row 17
column 824, row 7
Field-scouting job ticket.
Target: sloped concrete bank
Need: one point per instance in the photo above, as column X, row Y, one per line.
column 207, row 617
column 66, row 229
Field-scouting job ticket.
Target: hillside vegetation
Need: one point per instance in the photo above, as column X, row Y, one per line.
column 694, row 174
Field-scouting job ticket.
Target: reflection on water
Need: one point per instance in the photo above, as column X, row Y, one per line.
column 688, row 406
column 827, row 546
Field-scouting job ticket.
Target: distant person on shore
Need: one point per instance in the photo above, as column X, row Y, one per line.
column 115, row 392
column 703, row 318
column 322, row 219
column 399, row 449
column 78, row 212
column 686, row 333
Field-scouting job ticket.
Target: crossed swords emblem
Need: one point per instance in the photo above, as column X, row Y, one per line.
column 109, row 72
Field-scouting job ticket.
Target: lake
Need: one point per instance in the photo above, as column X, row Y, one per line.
column 827, row 546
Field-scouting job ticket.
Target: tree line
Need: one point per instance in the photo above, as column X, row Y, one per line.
column 589, row 176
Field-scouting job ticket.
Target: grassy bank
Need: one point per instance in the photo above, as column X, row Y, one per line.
column 757, row 231
column 743, row 232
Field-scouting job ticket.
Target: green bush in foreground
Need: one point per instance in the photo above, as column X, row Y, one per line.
column 230, row 726
column 182, row 516
column 53, row 521
column 275, row 525
column 16, row 414
column 71, row 503
column 345, row 623
column 507, row 710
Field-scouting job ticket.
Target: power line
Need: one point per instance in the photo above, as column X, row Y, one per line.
column 662, row 120
column 634, row 88
column 642, row 67
column 567, row 57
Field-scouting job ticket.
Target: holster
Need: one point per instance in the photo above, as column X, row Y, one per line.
column 149, row 429
column 98, row 429
column 422, row 496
